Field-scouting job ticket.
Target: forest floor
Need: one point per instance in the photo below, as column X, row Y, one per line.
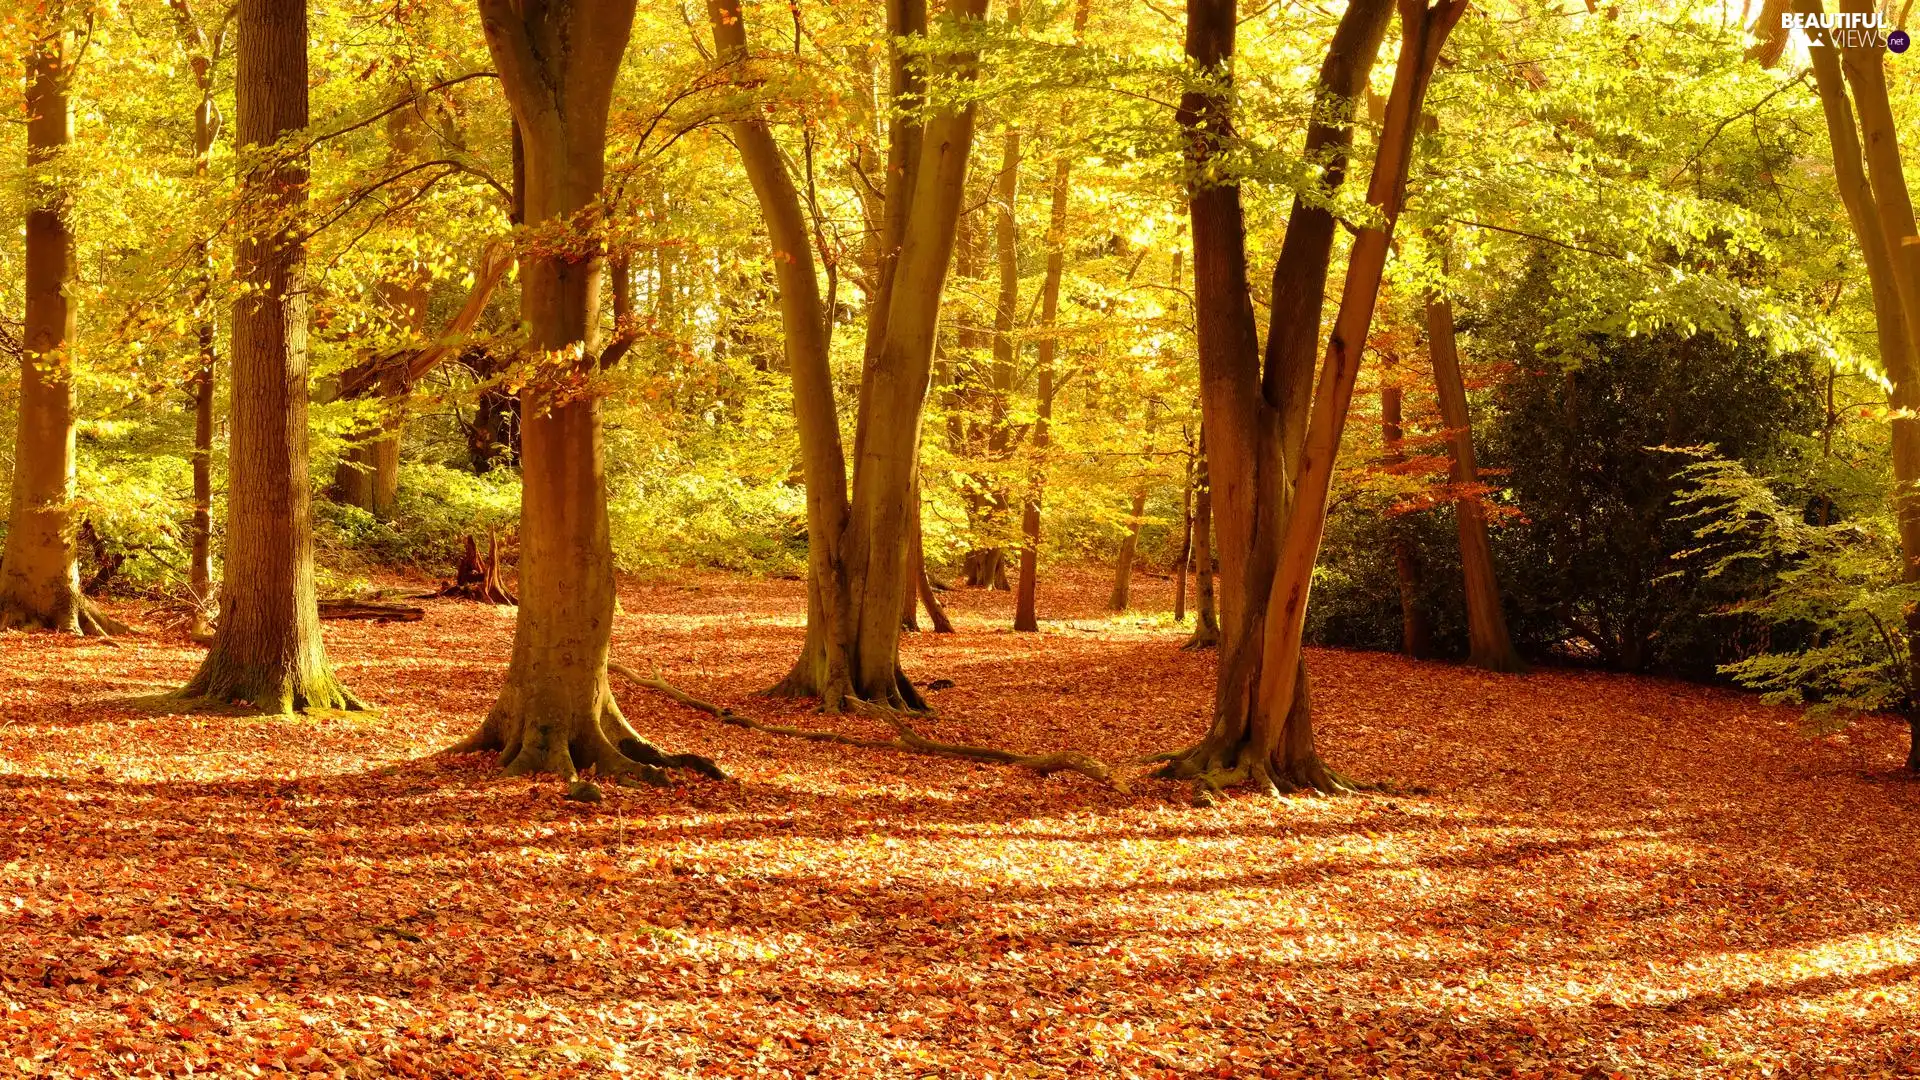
column 1609, row 876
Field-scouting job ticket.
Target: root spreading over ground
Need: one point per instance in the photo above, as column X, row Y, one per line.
column 1613, row 874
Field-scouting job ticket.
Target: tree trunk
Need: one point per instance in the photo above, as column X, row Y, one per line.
column 1253, row 420
column 1186, row 548
column 1488, row 644
column 267, row 650
column 1872, row 186
column 1122, row 596
column 368, row 476
column 921, row 592
column 1206, row 621
column 1026, row 615
column 1006, row 239
column 1416, row 634
column 556, row 713
column 40, row 572
column 853, row 612
column 206, row 123
column 1423, row 31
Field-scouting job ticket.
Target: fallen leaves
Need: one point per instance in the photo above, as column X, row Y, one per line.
column 1613, row 875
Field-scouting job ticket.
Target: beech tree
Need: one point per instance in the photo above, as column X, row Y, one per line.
column 556, row 713
column 39, row 572
column 1488, row 643
column 267, row 648
column 859, row 540
column 1270, row 458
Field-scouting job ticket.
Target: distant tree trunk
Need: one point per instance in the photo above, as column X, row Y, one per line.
column 1489, row 646
column 1254, row 420
column 1416, row 634
column 1122, row 596
column 922, row 591
column 1872, row 186
column 556, row 713
column 368, row 475
column 206, row 124
column 267, row 649
column 859, row 541
column 1206, row 621
column 39, row 572
column 1006, row 239
column 1186, row 548
column 1026, row 615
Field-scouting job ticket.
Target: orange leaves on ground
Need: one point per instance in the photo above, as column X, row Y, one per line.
column 1613, row 876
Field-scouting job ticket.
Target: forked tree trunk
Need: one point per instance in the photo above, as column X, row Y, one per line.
column 1416, row 633
column 1206, row 619
column 1489, row 645
column 1872, row 186
column 267, row 649
column 556, row 713
column 39, row 571
column 1424, row 31
column 1122, row 596
column 860, row 573
column 1255, row 419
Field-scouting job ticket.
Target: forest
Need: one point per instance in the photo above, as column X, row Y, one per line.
column 911, row 538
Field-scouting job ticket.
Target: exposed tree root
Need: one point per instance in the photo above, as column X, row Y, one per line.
column 905, row 738
column 80, row 617
column 612, row 749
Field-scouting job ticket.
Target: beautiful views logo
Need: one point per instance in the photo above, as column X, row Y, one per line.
column 1846, row 29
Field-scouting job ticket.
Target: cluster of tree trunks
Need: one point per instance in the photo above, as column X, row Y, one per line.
column 1271, row 436
column 859, row 540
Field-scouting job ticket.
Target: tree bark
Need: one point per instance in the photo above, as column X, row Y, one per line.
column 1489, row 645
column 267, row 650
column 1416, row 633
column 1253, row 420
column 1423, row 32
column 556, row 713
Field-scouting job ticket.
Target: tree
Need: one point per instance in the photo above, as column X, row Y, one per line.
column 1416, row 631
column 1255, row 419
column 1206, row 619
column 39, row 571
column 1488, row 643
column 556, row 713
column 204, row 51
column 858, row 542
column 267, row 649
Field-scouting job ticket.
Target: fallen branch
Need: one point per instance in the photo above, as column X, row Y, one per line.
column 905, row 738
column 367, row 609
